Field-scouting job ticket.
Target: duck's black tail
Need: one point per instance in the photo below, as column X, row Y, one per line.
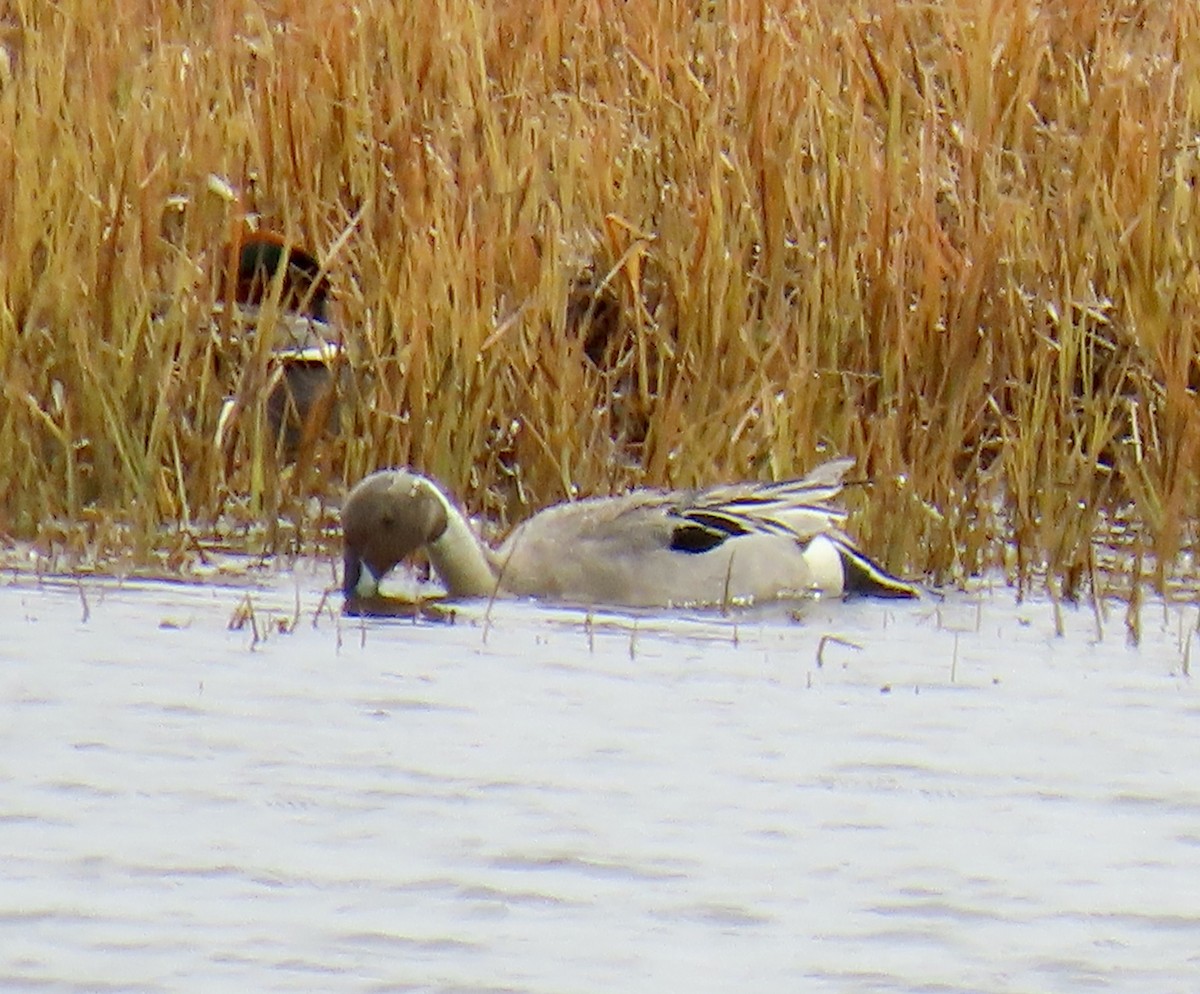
column 866, row 578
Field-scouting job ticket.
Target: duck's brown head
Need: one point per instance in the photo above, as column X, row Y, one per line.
column 256, row 259
column 386, row 517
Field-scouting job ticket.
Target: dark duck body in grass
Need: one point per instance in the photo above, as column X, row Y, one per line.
column 277, row 301
column 736, row 544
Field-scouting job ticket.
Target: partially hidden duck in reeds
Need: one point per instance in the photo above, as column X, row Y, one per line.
column 727, row 545
column 268, row 279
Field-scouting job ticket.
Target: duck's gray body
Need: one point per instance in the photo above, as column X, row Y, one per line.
column 737, row 544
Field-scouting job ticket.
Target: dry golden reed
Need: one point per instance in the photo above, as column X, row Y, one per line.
column 583, row 245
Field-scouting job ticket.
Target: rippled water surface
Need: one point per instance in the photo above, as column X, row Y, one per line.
column 941, row 796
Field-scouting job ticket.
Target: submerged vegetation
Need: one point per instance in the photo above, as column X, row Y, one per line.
column 578, row 246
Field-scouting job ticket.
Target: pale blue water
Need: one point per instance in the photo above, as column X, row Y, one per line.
column 960, row 801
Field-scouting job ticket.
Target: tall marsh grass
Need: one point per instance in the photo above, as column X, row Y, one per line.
column 579, row 246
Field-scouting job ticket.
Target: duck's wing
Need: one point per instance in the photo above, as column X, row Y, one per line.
column 796, row 509
column 746, row 542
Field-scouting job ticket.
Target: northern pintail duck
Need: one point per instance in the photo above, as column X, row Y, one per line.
column 267, row 275
column 735, row 544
